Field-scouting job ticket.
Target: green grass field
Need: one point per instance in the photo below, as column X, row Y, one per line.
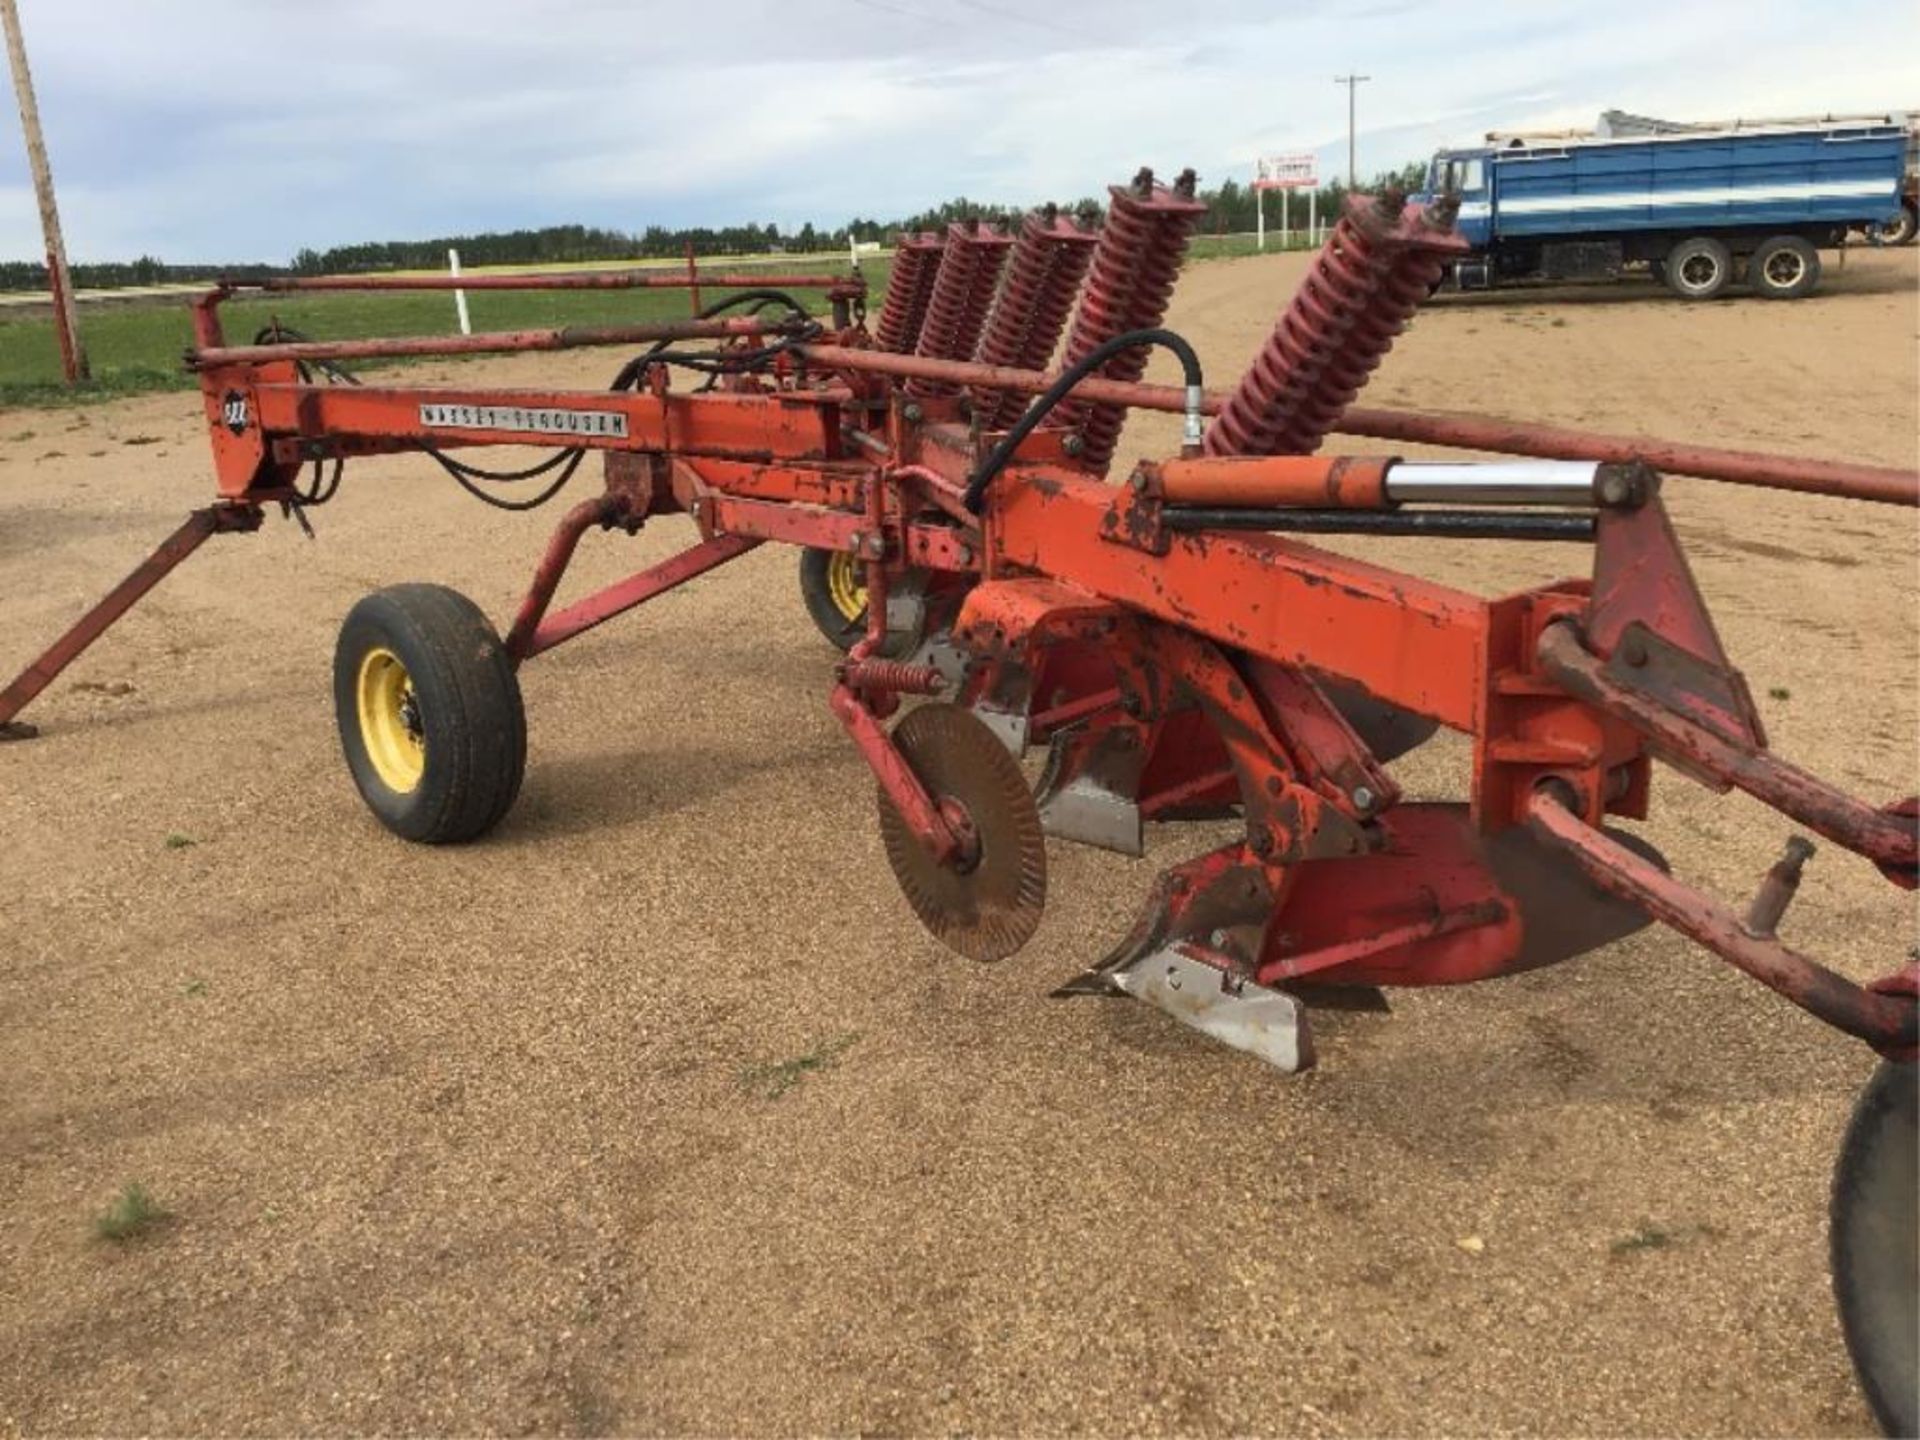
column 136, row 347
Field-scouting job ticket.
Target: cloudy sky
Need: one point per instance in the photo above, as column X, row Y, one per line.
column 246, row 131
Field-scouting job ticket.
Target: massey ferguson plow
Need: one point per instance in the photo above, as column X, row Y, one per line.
column 1174, row 643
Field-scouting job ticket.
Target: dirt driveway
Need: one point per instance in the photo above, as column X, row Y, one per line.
column 657, row 1112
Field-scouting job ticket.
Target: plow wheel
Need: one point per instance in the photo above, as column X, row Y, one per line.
column 429, row 713
column 987, row 900
column 1876, row 1244
column 835, row 592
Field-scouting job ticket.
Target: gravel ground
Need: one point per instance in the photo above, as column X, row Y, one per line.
column 496, row 1139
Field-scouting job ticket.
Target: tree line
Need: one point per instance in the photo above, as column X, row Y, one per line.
column 1230, row 208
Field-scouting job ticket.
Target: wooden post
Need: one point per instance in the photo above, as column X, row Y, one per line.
column 73, row 356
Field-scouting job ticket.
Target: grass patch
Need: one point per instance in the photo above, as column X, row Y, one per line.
column 1779, row 692
column 1232, row 247
column 1649, row 1236
column 135, row 347
column 133, row 1210
column 1645, row 1237
column 773, row 1079
column 194, row 989
column 177, row 841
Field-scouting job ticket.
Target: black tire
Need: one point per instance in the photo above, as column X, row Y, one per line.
column 1876, row 1245
column 1698, row 269
column 1783, row 268
column 423, row 658
column 1898, row 231
column 824, row 587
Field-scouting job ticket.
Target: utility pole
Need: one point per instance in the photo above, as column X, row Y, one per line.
column 73, row 358
column 1353, row 84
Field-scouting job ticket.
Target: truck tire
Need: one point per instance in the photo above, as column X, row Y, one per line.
column 1898, row 231
column 1783, row 268
column 1698, row 268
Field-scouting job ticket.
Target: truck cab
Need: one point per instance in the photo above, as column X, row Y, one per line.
column 1467, row 173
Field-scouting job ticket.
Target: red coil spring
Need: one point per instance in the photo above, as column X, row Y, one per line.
column 1357, row 296
column 962, row 292
column 894, row 675
column 1044, row 272
column 915, row 258
column 1134, row 267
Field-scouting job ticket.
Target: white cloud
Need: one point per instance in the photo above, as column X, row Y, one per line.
column 250, row 132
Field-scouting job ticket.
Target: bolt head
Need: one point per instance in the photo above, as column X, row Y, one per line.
column 1363, row 798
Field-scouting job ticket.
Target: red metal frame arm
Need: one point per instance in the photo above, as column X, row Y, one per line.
column 193, row 533
column 1887, row 839
column 655, row 279
column 1460, row 432
column 1885, row 1021
column 623, row 595
column 568, row 337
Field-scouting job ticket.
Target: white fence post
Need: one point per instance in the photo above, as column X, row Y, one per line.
column 459, row 296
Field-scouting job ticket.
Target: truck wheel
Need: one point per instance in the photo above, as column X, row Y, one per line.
column 1698, row 269
column 429, row 713
column 1876, row 1244
column 833, row 585
column 1783, row 268
column 1898, row 231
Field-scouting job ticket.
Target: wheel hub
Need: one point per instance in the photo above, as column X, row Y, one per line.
column 391, row 725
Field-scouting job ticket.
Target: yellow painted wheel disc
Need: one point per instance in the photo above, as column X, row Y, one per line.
column 390, row 725
column 846, row 587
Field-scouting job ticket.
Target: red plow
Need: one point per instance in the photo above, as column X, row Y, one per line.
column 1174, row 644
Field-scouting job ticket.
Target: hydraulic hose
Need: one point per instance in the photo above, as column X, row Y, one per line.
column 997, row 458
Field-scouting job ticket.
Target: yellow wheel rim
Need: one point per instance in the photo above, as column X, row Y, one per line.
column 845, row 587
column 390, row 724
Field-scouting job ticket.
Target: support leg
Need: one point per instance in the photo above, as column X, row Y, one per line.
column 122, row 598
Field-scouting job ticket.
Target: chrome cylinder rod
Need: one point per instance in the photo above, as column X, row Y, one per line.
column 1497, row 482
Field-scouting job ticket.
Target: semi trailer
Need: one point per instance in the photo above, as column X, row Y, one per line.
column 1703, row 210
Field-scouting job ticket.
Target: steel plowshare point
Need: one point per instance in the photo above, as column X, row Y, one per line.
column 1174, row 642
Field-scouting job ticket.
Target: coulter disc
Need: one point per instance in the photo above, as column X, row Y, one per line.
column 987, row 902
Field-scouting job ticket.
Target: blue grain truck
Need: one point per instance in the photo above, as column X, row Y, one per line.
column 1703, row 209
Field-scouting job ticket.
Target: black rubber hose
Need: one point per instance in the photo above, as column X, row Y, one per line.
column 630, row 372
column 997, row 458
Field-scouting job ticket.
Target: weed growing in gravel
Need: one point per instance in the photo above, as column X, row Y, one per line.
column 772, row 1080
column 177, row 841
column 132, row 1211
column 194, row 989
column 1648, row 1236
column 1779, row 692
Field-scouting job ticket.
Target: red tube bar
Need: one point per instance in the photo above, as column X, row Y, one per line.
column 1886, row 1022
column 569, row 337
column 1552, row 442
column 1882, row 484
column 1888, row 840
column 623, row 595
column 198, row 527
column 551, row 280
column 601, row 510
